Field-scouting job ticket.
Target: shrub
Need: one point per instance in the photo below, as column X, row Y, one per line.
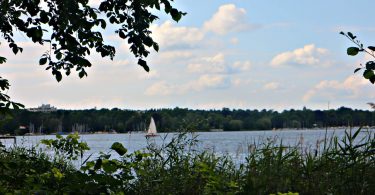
column 345, row 166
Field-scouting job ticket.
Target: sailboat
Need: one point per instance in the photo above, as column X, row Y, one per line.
column 151, row 132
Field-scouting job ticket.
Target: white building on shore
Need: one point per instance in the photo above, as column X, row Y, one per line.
column 43, row 108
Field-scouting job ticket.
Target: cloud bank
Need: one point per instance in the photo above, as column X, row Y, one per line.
column 309, row 55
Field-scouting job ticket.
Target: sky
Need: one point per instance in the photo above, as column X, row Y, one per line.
column 240, row 54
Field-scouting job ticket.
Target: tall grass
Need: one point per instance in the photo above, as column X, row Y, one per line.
column 334, row 166
column 342, row 167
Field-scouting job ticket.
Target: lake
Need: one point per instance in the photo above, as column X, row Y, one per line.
column 233, row 143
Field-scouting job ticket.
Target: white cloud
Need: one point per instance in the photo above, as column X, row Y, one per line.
column 202, row 83
column 195, row 67
column 160, row 88
column 153, row 74
column 352, row 87
column 308, row 55
column 236, row 104
column 175, row 55
column 208, row 81
column 89, row 102
column 213, row 64
column 29, row 57
column 217, row 64
column 228, row 19
column 234, row 40
column 239, row 81
column 271, row 86
column 217, row 59
column 241, row 65
column 26, row 74
column 169, row 35
column 120, row 63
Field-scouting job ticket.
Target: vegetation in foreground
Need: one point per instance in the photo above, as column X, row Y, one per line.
column 345, row 166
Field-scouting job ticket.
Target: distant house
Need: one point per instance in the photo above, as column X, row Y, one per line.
column 43, row 108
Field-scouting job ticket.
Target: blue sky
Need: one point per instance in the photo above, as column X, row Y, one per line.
column 235, row 53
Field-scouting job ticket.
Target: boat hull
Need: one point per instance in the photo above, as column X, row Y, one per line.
column 151, row 135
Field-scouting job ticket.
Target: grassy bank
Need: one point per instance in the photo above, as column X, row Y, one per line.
column 345, row 166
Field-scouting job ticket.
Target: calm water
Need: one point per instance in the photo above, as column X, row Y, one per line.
column 234, row 143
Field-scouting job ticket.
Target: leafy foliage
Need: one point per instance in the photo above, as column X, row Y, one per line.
column 5, row 102
column 73, row 29
column 119, row 148
column 369, row 68
column 344, row 166
column 29, row 171
column 68, row 147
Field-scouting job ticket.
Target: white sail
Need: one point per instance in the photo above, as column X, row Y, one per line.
column 152, row 128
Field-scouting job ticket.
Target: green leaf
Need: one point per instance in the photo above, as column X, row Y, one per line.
column 357, row 69
column 109, row 167
column 157, row 5
column 58, row 76
column 2, row 60
column 15, row 49
column 368, row 74
column 167, row 7
column 176, row 15
column 44, row 17
column 90, row 164
column 156, row 46
column 356, row 133
column 351, row 35
column 352, row 51
column 42, row 61
column 103, row 24
column 148, row 41
column 112, row 19
column 143, row 64
column 84, row 62
column 38, row 33
column 370, row 65
column 372, row 79
column 82, row 73
column 98, row 164
column 59, row 56
column 122, row 34
column 119, row 148
column 372, row 48
column 67, row 72
column 15, row 106
column 47, row 142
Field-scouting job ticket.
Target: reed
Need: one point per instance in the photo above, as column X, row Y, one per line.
column 333, row 166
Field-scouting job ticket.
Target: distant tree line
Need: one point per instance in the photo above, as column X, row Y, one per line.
column 180, row 119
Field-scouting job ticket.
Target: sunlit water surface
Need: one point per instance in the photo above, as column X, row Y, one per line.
column 235, row 143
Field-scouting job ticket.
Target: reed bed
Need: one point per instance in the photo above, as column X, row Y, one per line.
column 333, row 166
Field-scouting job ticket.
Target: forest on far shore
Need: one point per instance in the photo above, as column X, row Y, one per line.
column 180, row 119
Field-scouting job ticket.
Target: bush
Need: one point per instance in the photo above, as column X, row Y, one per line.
column 344, row 166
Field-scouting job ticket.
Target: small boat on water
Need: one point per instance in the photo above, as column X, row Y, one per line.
column 151, row 132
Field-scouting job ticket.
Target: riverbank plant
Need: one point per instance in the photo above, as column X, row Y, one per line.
column 179, row 166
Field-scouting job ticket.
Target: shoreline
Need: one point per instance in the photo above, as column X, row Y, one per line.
column 215, row 131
